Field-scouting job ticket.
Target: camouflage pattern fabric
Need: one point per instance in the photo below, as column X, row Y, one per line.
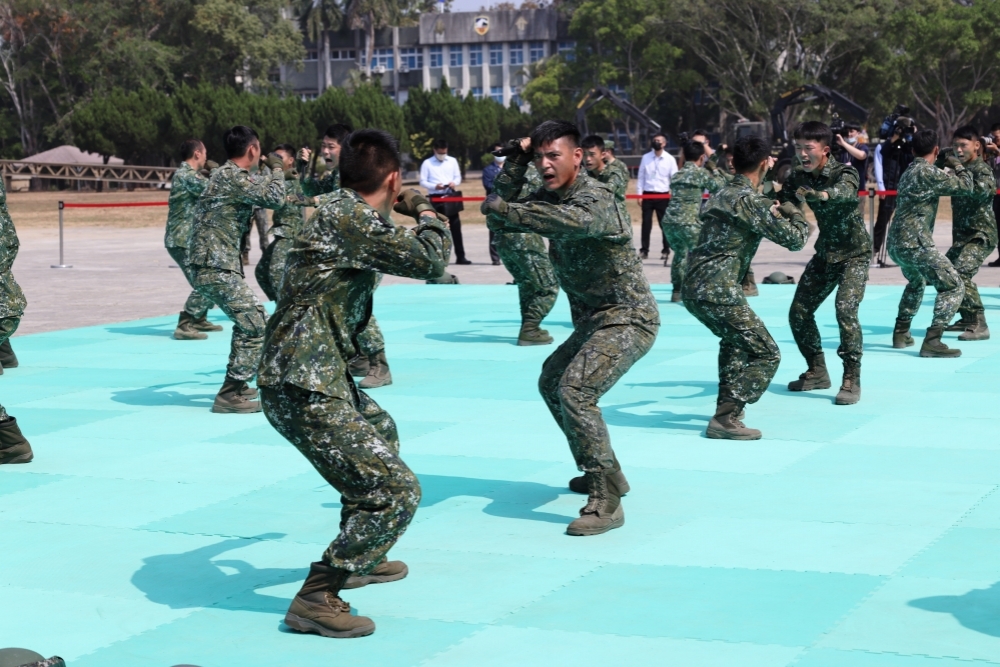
column 8, row 325
column 911, row 243
column 615, row 317
column 182, row 207
column 616, row 175
column 196, row 305
column 733, row 223
column 681, row 224
column 285, row 223
column 973, row 233
column 842, row 259
column 306, row 390
column 12, row 301
column 370, row 340
column 328, row 183
column 229, row 291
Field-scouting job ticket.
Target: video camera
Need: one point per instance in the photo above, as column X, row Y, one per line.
column 898, row 122
column 837, row 125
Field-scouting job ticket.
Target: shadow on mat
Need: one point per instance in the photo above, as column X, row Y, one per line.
column 517, row 323
column 866, row 329
column 703, row 388
column 977, row 610
column 471, row 337
column 616, row 415
column 160, row 394
column 192, row 579
column 142, row 331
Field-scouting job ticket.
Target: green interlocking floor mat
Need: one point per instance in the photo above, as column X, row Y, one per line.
column 150, row 532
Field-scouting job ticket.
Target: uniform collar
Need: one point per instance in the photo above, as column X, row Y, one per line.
column 741, row 180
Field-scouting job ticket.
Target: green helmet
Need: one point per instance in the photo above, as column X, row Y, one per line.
column 22, row 657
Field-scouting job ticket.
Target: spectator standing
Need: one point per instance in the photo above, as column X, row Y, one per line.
column 891, row 160
column 441, row 176
column 490, row 172
column 854, row 151
column 992, row 157
column 655, row 171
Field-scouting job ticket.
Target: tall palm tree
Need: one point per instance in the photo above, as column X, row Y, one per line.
column 371, row 15
column 317, row 19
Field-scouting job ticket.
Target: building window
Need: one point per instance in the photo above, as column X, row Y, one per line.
column 384, row 58
column 567, row 50
column 475, row 55
column 515, row 98
column 411, row 58
column 437, row 56
column 496, row 94
column 455, row 56
column 516, row 54
column 455, row 92
column 311, row 56
column 536, row 51
column 343, row 54
column 496, row 54
column 477, row 92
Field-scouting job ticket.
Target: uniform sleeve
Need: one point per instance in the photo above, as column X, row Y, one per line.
column 264, row 190
column 846, row 187
column 422, row 253
column 618, row 180
column 511, row 180
column 943, row 184
column 193, row 183
column 788, row 233
column 787, row 192
column 584, row 216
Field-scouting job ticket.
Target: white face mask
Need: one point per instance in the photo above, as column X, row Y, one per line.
column 501, row 159
column 852, row 140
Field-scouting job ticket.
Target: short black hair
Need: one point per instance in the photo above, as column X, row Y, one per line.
column 440, row 144
column 994, row 127
column 924, row 142
column 367, row 157
column 338, row 132
column 496, row 146
column 750, row 151
column 238, row 139
column 697, row 132
column 551, row 130
column 968, row 132
column 188, row 147
column 592, row 141
column 288, row 148
column 813, row 130
column 658, row 134
column 693, row 150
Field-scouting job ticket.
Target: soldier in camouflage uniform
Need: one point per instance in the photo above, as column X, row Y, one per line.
column 843, row 254
column 285, row 224
column 973, row 232
column 320, row 179
column 185, row 188
column 615, row 318
column 525, row 256
column 732, row 225
column 14, row 447
column 911, row 243
column 602, row 165
column 224, row 212
column 681, row 223
column 308, row 393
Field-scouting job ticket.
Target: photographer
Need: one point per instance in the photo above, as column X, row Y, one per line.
column 853, row 151
column 891, row 159
column 992, row 157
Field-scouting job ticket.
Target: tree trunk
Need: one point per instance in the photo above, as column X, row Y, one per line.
column 370, row 43
column 327, row 74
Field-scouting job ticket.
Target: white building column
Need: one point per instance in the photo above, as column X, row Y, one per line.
column 465, row 70
column 427, row 67
column 505, row 77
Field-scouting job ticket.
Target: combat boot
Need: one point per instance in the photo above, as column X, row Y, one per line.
column 901, row 334
column 384, row 572
column 378, row 373
column 185, row 330
column 603, row 511
column 532, row 334
column 7, row 357
column 359, row 366
column 815, row 377
column 14, row 447
column 202, row 324
column 232, row 400
column 933, row 347
column 675, row 296
column 317, row 607
column 726, row 424
column 850, row 388
column 962, row 323
column 977, row 330
column 579, row 484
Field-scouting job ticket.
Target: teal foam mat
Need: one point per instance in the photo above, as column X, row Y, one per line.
column 150, row 532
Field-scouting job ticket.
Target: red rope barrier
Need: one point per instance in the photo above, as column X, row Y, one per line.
column 121, row 205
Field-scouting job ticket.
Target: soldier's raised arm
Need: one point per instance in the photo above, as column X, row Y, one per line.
column 784, row 224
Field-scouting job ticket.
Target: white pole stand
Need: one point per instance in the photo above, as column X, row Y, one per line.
column 61, row 264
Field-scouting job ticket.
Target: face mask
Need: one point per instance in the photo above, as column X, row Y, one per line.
column 852, row 140
column 500, row 160
column 657, row 145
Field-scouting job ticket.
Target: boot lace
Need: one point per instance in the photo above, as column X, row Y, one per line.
column 336, row 603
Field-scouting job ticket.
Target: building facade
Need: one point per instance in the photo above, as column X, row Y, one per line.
column 485, row 53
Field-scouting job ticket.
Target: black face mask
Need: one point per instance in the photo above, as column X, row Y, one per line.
column 657, row 145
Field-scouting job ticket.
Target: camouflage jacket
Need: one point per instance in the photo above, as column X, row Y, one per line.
column 686, row 189
column 224, row 214
column 972, row 215
column 842, row 232
column 616, row 175
column 590, row 245
column 733, row 223
column 325, row 184
column 326, row 297
column 286, row 221
column 919, row 188
column 185, row 189
column 12, row 301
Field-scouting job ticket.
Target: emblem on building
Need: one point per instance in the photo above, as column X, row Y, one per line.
column 481, row 25
column 521, row 24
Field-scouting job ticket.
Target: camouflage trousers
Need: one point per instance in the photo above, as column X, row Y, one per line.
column 682, row 238
column 967, row 256
column 370, row 340
column 927, row 266
column 818, row 282
column 8, row 325
column 748, row 356
column 578, row 373
column 229, row 291
column 196, row 305
column 353, row 444
column 527, row 260
column 271, row 266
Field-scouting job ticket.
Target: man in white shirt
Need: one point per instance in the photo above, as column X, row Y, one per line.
column 655, row 171
column 441, row 176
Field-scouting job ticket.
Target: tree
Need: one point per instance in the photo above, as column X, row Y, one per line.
column 318, row 18
column 371, row 15
column 131, row 125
